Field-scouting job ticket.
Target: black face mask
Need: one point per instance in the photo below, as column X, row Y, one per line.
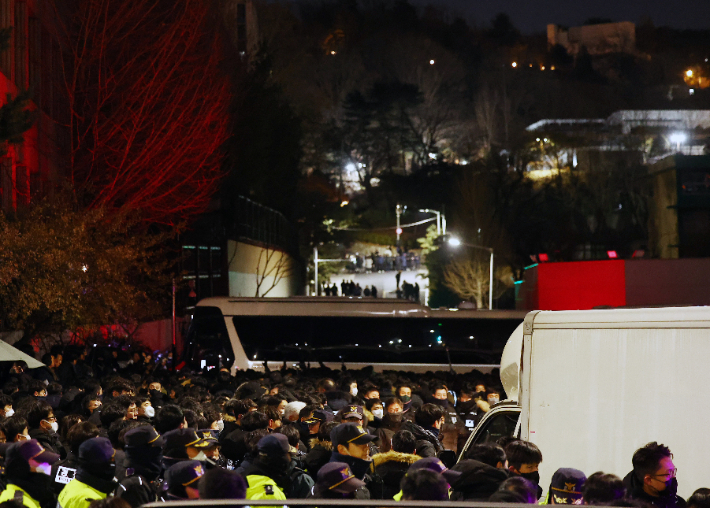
column 533, row 477
column 405, row 398
column 468, row 406
column 671, row 488
column 392, row 419
column 443, row 403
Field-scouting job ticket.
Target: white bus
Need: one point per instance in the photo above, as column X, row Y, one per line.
column 243, row 333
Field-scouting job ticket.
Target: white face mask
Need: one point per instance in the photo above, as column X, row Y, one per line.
column 44, row 469
column 9, row 413
column 353, row 391
column 379, row 413
column 200, row 456
column 220, row 425
column 149, row 411
column 55, row 426
column 493, row 400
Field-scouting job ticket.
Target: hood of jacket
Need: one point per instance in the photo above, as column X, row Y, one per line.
column 393, row 456
column 421, row 434
column 478, row 480
column 320, row 442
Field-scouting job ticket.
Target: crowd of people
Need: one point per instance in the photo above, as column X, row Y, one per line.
column 76, row 437
column 390, row 259
column 349, row 288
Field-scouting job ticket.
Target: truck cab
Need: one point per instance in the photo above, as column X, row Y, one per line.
column 504, row 418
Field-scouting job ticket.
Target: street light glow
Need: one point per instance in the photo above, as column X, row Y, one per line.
column 455, row 242
column 514, row 64
column 350, row 167
column 689, row 73
column 431, row 62
column 678, row 137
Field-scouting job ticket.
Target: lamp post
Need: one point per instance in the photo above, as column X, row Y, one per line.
column 455, row 242
column 399, row 229
column 440, row 220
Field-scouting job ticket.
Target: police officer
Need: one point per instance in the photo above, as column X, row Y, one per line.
column 181, row 480
column 94, row 476
column 144, row 454
column 64, row 471
column 27, row 469
column 184, row 444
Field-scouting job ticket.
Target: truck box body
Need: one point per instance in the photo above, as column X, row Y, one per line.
column 596, row 385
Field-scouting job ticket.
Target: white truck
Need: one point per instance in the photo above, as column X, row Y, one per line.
column 590, row 387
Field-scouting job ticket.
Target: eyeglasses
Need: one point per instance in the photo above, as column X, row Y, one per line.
column 671, row 473
column 51, row 419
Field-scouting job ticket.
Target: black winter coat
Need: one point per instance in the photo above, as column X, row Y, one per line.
column 634, row 488
column 389, row 469
column 478, row 481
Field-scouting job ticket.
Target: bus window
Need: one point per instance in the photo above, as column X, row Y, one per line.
column 354, row 339
column 208, row 345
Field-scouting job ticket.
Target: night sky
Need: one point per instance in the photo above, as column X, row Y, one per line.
column 532, row 16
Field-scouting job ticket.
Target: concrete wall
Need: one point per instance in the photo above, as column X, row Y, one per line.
column 246, row 260
column 597, row 39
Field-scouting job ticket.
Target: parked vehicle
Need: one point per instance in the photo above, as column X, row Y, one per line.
column 384, row 333
column 590, row 387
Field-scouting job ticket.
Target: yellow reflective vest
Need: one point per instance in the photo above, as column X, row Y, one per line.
column 262, row 487
column 14, row 492
column 78, row 494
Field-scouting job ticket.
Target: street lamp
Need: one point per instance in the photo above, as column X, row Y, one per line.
column 440, row 220
column 456, row 242
column 678, row 138
column 399, row 229
column 316, row 261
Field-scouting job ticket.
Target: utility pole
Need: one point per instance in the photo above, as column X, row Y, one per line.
column 399, row 230
column 315, row 262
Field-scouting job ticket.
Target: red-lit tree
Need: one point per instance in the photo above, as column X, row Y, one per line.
column 148, row 106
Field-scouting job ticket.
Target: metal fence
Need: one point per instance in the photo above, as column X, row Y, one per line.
column 262, row 224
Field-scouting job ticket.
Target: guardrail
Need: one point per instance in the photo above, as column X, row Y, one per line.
column 321, row 503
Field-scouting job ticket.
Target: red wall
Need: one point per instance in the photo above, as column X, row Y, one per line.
column 580, row 285
column 637, row 282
